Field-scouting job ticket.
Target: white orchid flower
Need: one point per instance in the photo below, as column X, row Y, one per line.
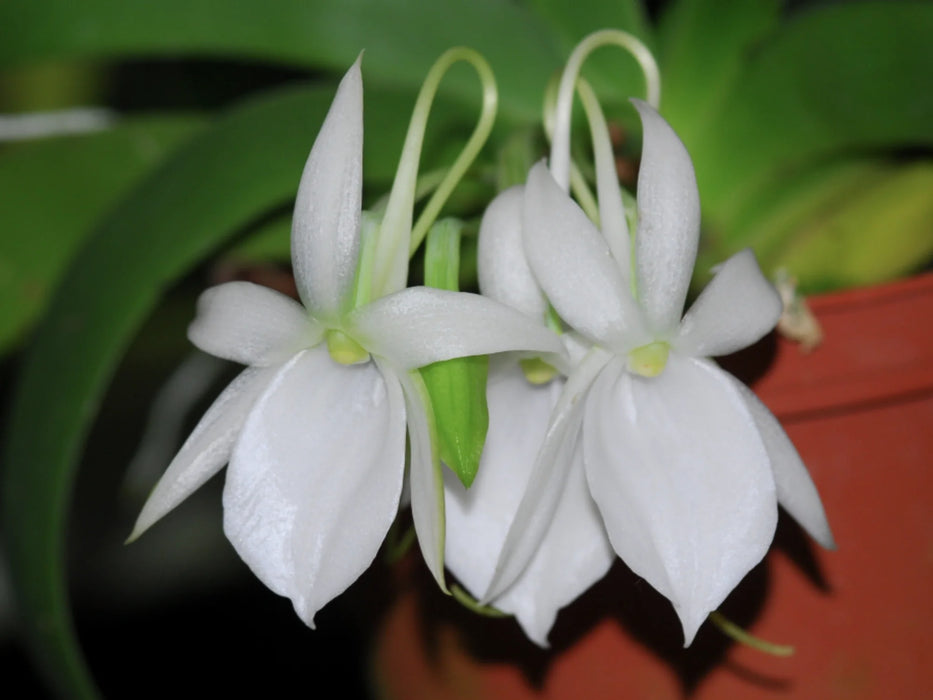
column 314, row 429
column 575, row 552
column 685, row 464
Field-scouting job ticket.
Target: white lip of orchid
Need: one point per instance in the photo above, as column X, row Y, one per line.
column 329, row 383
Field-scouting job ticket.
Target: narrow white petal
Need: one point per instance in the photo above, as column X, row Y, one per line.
column 574, row 554
column 795, row 489
column 326, row 224
column 737, row 308
column 504, row 274
column 208, row 448
column 478, row 518
column 421, row 325
column 575, row 551
column 681, row 477
column 251, row 324
column 425, row 475
column 548, row 478
column 315, row 478
column 612, row 221
column 574, row 266
column 668, row 222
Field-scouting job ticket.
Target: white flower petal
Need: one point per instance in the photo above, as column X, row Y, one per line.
column 795, row 489
column 612, row 221
column 251, row 324
column 574, row 266
column 682, row 479
column 421, row 325
column 668, row 222
column 326, row 224
column 575, row 551
column 478, row 518
column 736, row 309
column 208, row 448
column 425, row 475
column 504, row 274
column 315, row 478
column 549, row 475
column 574, row 554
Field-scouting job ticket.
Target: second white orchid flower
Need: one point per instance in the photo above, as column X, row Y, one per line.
column 685, row 464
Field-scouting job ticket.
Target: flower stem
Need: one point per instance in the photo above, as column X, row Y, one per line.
column 560, row 147
column 470, row 603
column 732, row 630
column 397, row 238
column 578, row 183
column 473, row 145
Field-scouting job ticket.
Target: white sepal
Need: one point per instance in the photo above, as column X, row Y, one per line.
column 207, row 449
column 612, row 221
column 479, row 517
column 314, row 480
column 252, row 325
column 326, row 223
column 425, row 475
column 546, row 484
column 736, row 309
column 795, row 488
column 421, row 325
column 574, row 266
column 575, row 551
column 574, row 554
column 503, row 270
column 668, row 222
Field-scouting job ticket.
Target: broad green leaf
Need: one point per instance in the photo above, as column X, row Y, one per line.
column 54, row 190
column 704, row 45
column 401, row 39
column 836, row 78
column 880, row 231
column 248, row 162
column 839, row 224
column 457, row 387
column 268, row 242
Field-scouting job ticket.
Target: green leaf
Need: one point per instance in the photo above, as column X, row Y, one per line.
column 54, row 190
column 401, row 39
column 268, row 242
column 704, row 46
column 837, row 78
column 457, row 387
column 840, row 224
column 882, row 229
column 248, row 162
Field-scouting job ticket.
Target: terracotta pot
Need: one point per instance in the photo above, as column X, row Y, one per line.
column 860, row 411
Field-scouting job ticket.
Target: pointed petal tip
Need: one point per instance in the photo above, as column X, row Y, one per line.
column 826, row 540
column 304, row 613
column 144, row 521
column 691, row 622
